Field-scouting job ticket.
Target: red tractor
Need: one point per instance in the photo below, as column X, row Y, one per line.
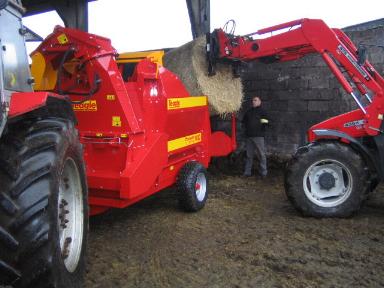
column 344, row 160
column 83, row 133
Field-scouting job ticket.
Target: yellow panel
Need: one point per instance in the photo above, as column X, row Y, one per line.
column 43, row 73
column 184, row 141
column 134, row 57
column 187, row 102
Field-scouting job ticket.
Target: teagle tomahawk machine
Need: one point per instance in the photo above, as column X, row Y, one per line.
column 141, row 131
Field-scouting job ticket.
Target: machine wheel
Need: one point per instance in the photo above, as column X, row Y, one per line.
column 192, row 184
column 326, row 179
column 43, row 205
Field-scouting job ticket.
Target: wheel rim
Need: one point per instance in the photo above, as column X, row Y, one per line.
column 70, row 215
column 201, row 186
column 327, row 183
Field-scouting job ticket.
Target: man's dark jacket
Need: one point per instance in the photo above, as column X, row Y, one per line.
column 252, row 122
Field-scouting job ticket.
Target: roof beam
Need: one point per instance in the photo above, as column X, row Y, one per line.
column 74, row 13
column 199, row 16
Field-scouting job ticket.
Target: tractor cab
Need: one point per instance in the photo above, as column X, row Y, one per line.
column 14, row 68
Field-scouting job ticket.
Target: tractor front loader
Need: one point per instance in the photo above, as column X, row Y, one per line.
column 88, row 123
column 344, row 160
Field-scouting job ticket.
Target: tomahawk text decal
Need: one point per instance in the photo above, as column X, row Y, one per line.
column 184, row 141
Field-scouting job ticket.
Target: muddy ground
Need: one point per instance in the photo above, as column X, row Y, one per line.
column 248, row 235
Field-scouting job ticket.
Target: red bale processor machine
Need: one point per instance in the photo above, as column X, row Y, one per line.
column 141, row 131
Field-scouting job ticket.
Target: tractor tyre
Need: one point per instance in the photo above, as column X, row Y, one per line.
column 43, row 205
column 326, row 179
column 192, row 184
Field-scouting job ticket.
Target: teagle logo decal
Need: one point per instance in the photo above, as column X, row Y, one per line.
column 89, row 106
column 172, row 104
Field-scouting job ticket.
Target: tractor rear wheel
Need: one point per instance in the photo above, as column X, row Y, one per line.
column 192, row 185
column 326, row 179
column 43, row 205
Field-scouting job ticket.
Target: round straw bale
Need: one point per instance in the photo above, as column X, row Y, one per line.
column 188, row 62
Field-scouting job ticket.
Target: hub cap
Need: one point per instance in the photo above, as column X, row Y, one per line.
column 327, row 183
column 327, row 180
column 201, row 186
column 70, row 215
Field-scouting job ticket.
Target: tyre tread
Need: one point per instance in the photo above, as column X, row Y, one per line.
column 185, row 184
column 26, row 160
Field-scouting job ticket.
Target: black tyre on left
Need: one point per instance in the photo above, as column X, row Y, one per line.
column 43, row 205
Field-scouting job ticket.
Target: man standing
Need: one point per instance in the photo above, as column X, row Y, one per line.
column 254, row 121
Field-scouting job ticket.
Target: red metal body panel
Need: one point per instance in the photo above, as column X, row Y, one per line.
column 24, row 102
column 220, row 144
column 342, row 123
column 135, row 137
column 340, row 54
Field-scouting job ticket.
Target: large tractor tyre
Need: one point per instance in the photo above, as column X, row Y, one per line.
column 192, row 184
column 43, row 205
column 326, row 179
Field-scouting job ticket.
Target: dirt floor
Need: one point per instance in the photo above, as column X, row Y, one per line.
column 248, row 235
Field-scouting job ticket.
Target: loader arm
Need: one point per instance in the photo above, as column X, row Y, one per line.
column 297, row 39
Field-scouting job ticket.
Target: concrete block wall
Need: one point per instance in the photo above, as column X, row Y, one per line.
column 301, row 93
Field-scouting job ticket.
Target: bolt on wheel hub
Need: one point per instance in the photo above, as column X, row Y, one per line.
column 201, row 186
column 70, row 215
column 327, row 183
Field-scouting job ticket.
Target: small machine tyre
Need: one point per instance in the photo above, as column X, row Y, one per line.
column 326, row 179
column 43, row 205
column 192, row 185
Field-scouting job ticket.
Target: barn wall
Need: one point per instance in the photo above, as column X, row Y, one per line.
column 301, row 93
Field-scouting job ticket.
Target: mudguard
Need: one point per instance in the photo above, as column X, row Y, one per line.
column 373, row 162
